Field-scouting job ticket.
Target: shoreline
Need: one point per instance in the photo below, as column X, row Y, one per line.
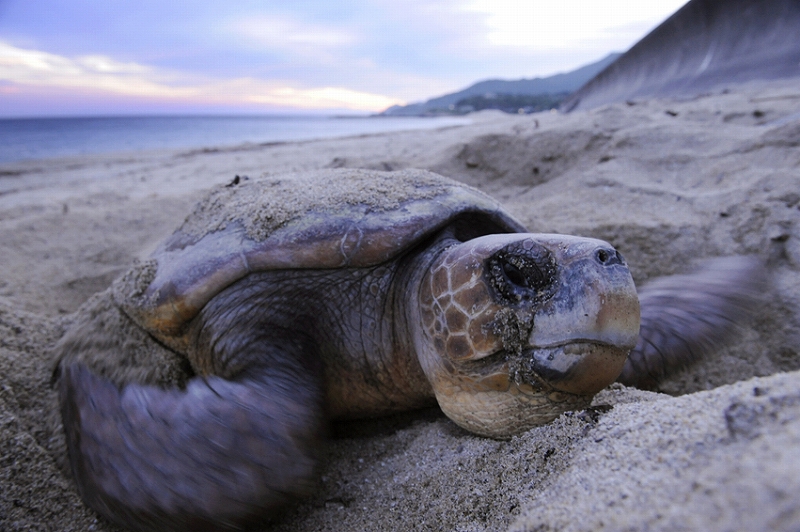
column 67, row 137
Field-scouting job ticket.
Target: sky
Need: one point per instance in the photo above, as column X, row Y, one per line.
column 117, row 57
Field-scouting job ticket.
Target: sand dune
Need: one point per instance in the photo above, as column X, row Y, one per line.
column 705, row 45
column 668, row 182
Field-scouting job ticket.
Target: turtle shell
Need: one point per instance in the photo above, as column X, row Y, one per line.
column 325, row 219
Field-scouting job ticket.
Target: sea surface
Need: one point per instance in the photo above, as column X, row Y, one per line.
column 41, row 138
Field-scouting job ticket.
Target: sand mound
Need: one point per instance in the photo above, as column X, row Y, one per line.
column 667, row 182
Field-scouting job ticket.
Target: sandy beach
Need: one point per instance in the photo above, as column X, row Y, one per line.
column 668, row 182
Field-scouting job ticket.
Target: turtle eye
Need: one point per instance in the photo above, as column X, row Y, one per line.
column 531, row 277
column 521, row 274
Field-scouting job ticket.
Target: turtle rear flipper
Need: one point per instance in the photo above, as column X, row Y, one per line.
column 220, row 455
column 685, row 317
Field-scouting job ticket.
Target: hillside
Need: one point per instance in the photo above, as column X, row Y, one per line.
column 558, row 84
column 705, row 45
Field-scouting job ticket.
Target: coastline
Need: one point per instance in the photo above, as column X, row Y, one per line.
column 667, row 182
column 46, row 138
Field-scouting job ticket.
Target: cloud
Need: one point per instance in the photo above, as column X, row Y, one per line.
column 360, row 54
column 283, row 33
column 101, row 74
column 33, row 67
column 570, row 24
column 103, row 64
column 255, row 91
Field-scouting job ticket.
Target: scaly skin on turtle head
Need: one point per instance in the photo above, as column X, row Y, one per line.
column 516, row 329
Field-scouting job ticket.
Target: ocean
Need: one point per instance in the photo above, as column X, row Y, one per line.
column 41, row 138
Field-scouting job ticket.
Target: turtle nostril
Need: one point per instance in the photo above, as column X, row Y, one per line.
column 607, row 257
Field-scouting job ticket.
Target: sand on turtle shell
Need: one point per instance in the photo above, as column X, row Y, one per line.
column 667, row 182
column 253, row 202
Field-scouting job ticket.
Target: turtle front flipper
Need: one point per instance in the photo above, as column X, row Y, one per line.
column 685, row 317
column 223, row 454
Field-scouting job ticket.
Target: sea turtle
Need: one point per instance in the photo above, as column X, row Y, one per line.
column 195, row 391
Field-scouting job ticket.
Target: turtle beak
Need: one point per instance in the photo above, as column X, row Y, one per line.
column 582, row 335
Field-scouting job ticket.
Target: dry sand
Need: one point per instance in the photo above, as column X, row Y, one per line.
column 667, row 182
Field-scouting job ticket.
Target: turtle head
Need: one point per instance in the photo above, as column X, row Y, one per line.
column 518, row 328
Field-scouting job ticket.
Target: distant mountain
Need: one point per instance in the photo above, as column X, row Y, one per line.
column 559, row 84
